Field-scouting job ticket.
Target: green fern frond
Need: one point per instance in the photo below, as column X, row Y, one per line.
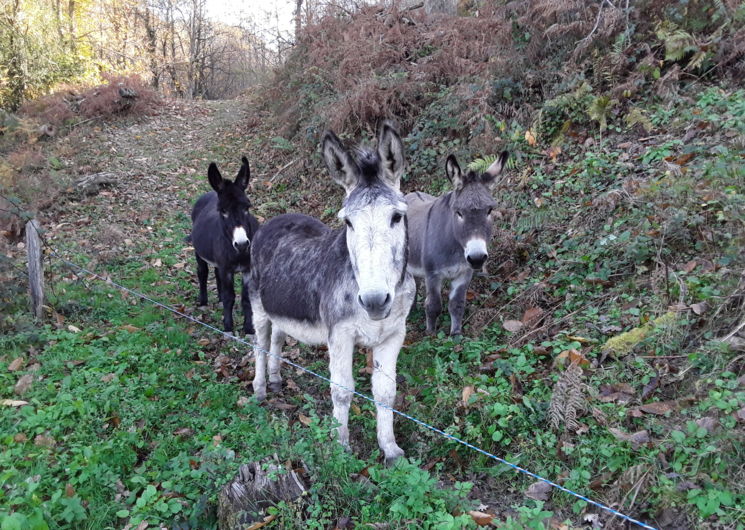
column 480, row 165
column 637, row 116
column 530, row 220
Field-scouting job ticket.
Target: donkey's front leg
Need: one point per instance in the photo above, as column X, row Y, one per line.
column 341, row 348
column 433, row 301
column 248, row 326
column 385, row 356
column 227, row 295
column 457, row 303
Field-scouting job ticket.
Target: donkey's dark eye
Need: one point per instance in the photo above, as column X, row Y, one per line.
column 396, row 218
column 489, row 211
column 459, row 214
column 348, row 223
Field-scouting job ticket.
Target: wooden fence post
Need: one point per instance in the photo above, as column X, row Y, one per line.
column 35, row 267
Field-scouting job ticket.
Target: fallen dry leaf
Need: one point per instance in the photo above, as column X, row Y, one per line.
column 740, row 415
column 23, row 384
column 512, row 325
column 571, row 356
column 531, row 315
column 72, row 328
column 44, row 441
column 108, row 377
column 16, row 364
column 620, row 392
column 530, row 138
column 581, row 340
column 539, row 491
column 268, row 519
column 636, row 439
column 20, row 438
column 698, row 308
column 183, row 432
column 657, row 407
column 13, row 403
column 481, row 518
column 466, row 395
column 305, row 420
column 707, row 422
column 69, row 490
column 130, row 328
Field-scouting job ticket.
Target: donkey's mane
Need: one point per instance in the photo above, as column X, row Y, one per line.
column 369, row 163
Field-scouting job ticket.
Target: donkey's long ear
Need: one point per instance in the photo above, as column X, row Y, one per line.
column 391, row 151
column 341, row 165
column 213, row 175
column 489, row 177
column 243, row 174
column 452, row 169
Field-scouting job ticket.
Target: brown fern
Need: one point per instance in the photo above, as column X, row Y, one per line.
column 567, row 399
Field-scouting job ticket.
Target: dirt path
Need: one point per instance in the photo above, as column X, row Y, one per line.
column 158, row 164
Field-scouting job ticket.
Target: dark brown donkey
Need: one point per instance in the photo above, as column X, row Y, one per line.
column 222, row 230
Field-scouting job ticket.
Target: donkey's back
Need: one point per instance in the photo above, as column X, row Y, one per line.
column 204, row 203
column 419, row 206
column 291, row 270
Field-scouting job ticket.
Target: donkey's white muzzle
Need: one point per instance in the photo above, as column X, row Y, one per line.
column 376, row 303
column 476, row 253
column 240, row 239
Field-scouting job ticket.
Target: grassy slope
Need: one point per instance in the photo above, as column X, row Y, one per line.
column 142, row 423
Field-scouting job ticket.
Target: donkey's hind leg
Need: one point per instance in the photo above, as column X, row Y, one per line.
column 433, row 301
column 227, row 296
column 203, row 271
column 275, row 359
column 261, row 346
column 219, row 285
column 248, row 325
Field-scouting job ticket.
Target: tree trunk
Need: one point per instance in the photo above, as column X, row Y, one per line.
column 71, row 26
column 298, row 22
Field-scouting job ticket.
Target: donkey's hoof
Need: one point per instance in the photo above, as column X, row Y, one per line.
column 275, row 386
column 260, row 395
column 393, row 457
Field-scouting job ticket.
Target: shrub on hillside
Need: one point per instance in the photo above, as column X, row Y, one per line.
column 348, row 71
column 118, row 95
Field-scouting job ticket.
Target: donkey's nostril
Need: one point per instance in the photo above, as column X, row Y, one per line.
column 476, row 261
column 242, row 246
column 374, row 302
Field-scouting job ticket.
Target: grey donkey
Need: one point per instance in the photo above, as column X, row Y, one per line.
column 449, row 237
column 342, row 287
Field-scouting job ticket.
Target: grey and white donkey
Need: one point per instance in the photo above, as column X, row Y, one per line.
column 343, row 287
column 449, row 236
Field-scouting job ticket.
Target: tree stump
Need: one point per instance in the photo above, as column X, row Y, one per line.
column 35, row 268
column 91, row 184
column 256, row 486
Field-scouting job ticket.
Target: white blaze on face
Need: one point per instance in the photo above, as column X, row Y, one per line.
column 475, row 248
column 239, row 236
column 374, row 248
